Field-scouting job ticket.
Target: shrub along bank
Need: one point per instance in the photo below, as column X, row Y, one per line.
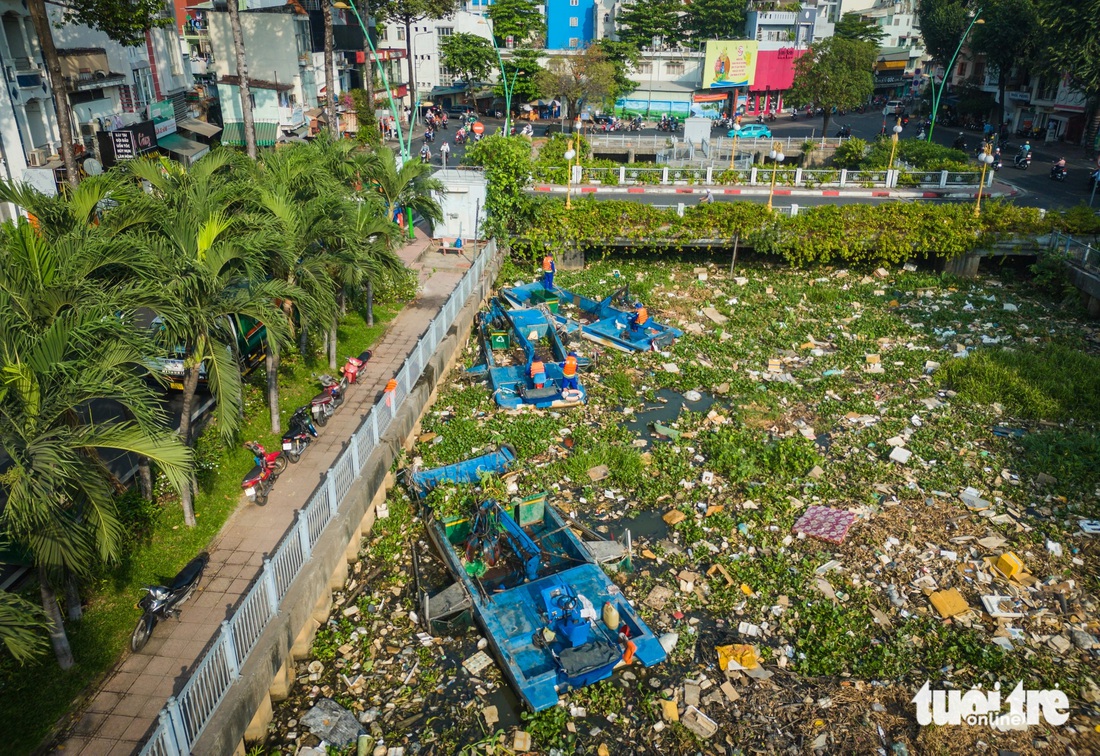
column 855, row 234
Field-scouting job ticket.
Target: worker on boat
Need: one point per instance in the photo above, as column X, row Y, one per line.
column 569, row 373
column 639, row 318
column 538, row 373
column 548, row 271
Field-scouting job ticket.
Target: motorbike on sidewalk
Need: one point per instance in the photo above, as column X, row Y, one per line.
column 354, row 364
column 325, row 403
column 163, row 601
column 257, row 484
column 300, row 432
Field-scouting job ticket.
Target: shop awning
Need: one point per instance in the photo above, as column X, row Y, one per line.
column 202, row 128
column 183, row 147
column 266, row 134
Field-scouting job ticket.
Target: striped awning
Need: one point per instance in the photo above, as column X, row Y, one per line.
column 266, row 134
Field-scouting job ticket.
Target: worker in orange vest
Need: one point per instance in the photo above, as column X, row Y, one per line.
column 639, row 318
column 538, row 373
column 569, row 372
column 548, row 271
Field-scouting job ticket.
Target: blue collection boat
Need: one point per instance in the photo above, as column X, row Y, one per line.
column 601, row 322
column 552, row 617
column 510, row 342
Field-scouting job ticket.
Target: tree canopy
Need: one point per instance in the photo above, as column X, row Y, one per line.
column 522, row 70
column 1008, row 37
column 471, row 57
column 522, row 20
column 1070, row 42
column 587, row 77
column 942, row 24
column 622, row 56
column 852, row 27
column 714, row 19
column 641, row 21
column 836, row 72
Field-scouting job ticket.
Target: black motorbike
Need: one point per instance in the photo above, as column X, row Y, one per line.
column 845, row 132
column 163, row 601
column 300, row 431
column 1022, row 160
column 1058, row 173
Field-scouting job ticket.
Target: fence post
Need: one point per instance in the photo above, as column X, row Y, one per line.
column 230, row 645
column 179, row 728
column 355, row 455
column 664, row 175
column 303, row 534
column 622, row 174
column 268, row 576
column 843, row 176
column 798, row 177
column 943, row 179
column 710, row 175
column 794, row 210
column 752, row 176
column 330, row 484
column 169, row 739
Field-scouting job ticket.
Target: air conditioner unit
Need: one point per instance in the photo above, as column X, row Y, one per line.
column 37, row 158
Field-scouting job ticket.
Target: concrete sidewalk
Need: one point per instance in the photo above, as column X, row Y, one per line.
column 122, row 713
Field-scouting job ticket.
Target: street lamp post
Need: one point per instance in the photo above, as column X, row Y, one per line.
column 405, row 149
column 508, row 86
column 936, row 95
column 733, row 153
column 777, row 157
column 986, row 159
column 893, row 148
column 569, row 155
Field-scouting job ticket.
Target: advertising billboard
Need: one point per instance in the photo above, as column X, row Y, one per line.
column 729, row 63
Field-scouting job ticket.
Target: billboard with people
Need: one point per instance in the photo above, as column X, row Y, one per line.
column 729, row 63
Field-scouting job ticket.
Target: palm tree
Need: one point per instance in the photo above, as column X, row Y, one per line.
column 211, row 271
column 67, row 342
column 409, row 187
column 21, row 627
column 365, row 254
column 248, row 123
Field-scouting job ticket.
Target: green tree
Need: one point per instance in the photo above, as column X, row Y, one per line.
column 22, row 627
column 507, row 164
column 124, row 21
column 1008, row 38
column 469, row 56
column 1070, row 45
column 522, row 70
column 407, row 13
column 641, row 20
column 942, row 24
column 367, row 131
column 407, row 188
column 211, row 273
column 522, row 20
column 714, row 19
column 587, row 77
column 623, row 56
column 852, row 26
column 835, row 72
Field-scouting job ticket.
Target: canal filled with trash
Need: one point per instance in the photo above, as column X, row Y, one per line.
column 814, row 517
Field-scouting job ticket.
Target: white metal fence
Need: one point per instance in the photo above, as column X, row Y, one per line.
column 1085, row 254
column 185, row 716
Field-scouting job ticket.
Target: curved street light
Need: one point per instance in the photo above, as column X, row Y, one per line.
column 947, row 73
column 986, row 159
column 736, row 133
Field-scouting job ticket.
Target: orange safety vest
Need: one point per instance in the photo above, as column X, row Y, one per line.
column 570, row 368
column 536, row 368
column 643, row 316
column 548, row 263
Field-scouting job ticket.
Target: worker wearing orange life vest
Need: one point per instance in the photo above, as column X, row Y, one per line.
column 538, row 373
column 569, row 372
column 639, row 318
column 548, row 271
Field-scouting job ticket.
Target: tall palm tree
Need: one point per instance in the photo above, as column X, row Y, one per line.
column 211, row 272
column 409, row 187
column 248, row 122
column 21, row 627
column 66, row 343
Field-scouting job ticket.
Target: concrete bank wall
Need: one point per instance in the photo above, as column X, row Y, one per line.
column 269, row 672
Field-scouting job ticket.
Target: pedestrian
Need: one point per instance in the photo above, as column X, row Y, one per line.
column 548, row 271
column 444, row 152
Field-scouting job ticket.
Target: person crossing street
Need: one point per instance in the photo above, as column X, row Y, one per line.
column 444, row 153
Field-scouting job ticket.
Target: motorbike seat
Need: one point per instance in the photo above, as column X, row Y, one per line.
column 323, row 398
column 255, row 473
column 189, row 573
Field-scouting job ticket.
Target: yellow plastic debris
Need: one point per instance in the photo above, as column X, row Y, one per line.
column 741, row 653
column 1009, row 564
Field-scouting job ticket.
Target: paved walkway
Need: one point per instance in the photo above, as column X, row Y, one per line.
column 122, row 713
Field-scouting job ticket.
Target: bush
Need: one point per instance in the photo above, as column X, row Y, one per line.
column 921, row 155
column 850, row 154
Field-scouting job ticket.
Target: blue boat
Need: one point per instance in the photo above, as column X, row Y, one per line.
column 466, row 471
column 510, row 342
column 552, row 617
column 601, row 322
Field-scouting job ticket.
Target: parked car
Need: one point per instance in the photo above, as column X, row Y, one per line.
column 752, row 131
column 458, row 110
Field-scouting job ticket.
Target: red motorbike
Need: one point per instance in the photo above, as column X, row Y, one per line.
column 354, row 364
column 258, row 482
column 332, row 396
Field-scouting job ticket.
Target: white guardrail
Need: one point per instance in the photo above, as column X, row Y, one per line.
column 185, row 716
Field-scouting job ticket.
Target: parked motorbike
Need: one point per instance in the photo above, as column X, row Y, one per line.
column 163, row 601
column 325, row 403
column 1058, row 173
column 353, row 365
column 1022, row 160
column 300, row 431
column 261, row 478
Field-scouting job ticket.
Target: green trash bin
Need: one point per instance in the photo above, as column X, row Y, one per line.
column 499, row 340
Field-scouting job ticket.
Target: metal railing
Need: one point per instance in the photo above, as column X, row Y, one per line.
column 185, row 716
column 1084, row 254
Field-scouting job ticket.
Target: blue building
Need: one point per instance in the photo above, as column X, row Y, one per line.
column 570, row 24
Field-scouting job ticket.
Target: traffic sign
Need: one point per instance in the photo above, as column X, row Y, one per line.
column 478, row 128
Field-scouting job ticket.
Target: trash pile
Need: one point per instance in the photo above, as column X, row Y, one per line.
column 832, row 498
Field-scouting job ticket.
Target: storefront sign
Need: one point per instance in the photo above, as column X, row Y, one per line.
column 164, row 117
